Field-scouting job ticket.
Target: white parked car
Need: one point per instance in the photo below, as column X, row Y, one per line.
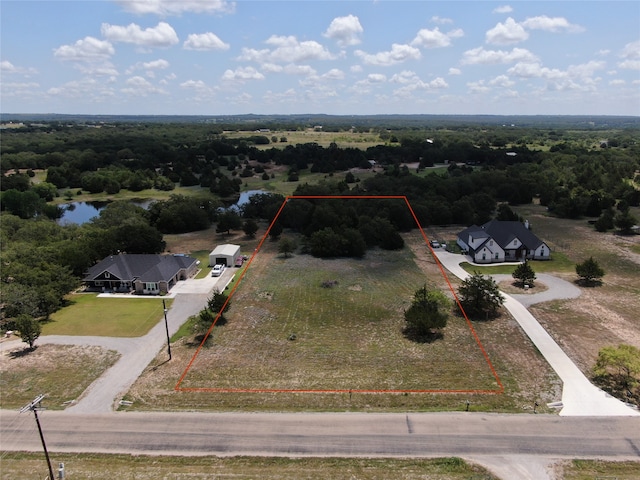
column 217, row 270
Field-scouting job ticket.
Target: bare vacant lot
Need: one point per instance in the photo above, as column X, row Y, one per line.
column 61, row 372
column 288, row 338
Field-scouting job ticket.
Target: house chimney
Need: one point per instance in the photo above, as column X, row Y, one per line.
column 526, row 224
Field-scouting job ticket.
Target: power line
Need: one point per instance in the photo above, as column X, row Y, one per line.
column 34, row 406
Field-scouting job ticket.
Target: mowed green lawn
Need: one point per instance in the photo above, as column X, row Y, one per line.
column 88, row 314
column 286, row 331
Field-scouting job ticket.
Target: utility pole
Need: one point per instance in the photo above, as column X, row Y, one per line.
column 34, row 406
column 166, row 326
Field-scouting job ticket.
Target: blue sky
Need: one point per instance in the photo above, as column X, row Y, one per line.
column 216, row 57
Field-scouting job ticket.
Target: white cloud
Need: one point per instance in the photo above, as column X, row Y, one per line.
column 204, row 41
column 481, row 56
column 502, row 81
column 86, row 50
column 162, row 35
column 435, row 38
column 617, row 83
column 506, row 33
column 503, row 9
column 551, row 24
column 440, row 20
column 242, row 74
column 478, row 87
column 100, row 69
column 141, row 87
column 88, row 89
column 195, row 84
column 398, row 54
column 293, row 69
column 631, row 56
column 7, row 67
column 455, row 71
column 286, row 50
column 334, row 74
column 411, row 82
column 177, row 7
column 575, row 77
column 345, row 30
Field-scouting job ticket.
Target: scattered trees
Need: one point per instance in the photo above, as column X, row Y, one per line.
column 480, row 297
column 29, row 328
column 286, row 246
column 426, row 316
column 217, row 305
column 590, row 272
column 250, row 227
column 524, row 274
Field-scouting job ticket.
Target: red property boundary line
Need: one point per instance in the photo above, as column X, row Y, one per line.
column 499, row 390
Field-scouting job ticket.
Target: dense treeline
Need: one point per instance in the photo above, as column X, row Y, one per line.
column 574, row 173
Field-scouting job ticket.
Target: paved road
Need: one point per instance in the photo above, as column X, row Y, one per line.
column 579, row 396
column 495, row 440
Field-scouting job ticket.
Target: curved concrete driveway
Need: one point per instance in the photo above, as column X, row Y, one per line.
column 579, row 396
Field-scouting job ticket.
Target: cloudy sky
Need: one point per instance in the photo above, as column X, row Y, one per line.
column 216, row 57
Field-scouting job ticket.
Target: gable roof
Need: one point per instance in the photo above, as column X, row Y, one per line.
column 145, row 267
column 503, row 232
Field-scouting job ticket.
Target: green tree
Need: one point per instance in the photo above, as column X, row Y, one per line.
column 617, row 369
column 480, row 296
column 524, row 274
column 29, row 329
column 286, row 246
column 425, row 317
column 250, row 227
column 625, row 222
column 228, row 221
column 589, row 271
column 275, row 231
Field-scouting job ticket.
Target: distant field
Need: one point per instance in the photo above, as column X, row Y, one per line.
column 324, row 139
column 105, row 317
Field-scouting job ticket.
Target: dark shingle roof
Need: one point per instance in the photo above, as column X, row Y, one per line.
column 146, row 267
column 504, row 232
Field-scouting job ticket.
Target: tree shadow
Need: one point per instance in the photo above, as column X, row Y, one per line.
column 588, row 283
column 422, row 337
column 23, row 352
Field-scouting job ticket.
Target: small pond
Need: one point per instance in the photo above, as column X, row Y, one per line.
column 82, row 212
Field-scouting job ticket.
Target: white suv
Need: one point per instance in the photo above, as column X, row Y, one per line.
column 217, row 270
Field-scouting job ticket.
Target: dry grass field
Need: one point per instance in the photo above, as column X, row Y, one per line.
column 62, row 372
column 348, row 338
column 140, row 467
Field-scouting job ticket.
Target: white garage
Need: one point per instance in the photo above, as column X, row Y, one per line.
column 226, row 254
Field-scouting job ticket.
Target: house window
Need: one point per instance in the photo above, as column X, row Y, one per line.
column 497, row 256
column 484, row 256
column 107, row 275
column 151, row 286
column 491, row 243
column 98, row 283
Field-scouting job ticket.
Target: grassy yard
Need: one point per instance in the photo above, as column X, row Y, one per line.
column 559, row 263
column 140, row 467
column 61, row 372
column 88, row 314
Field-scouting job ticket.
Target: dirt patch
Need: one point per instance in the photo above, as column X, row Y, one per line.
column 62, row 372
